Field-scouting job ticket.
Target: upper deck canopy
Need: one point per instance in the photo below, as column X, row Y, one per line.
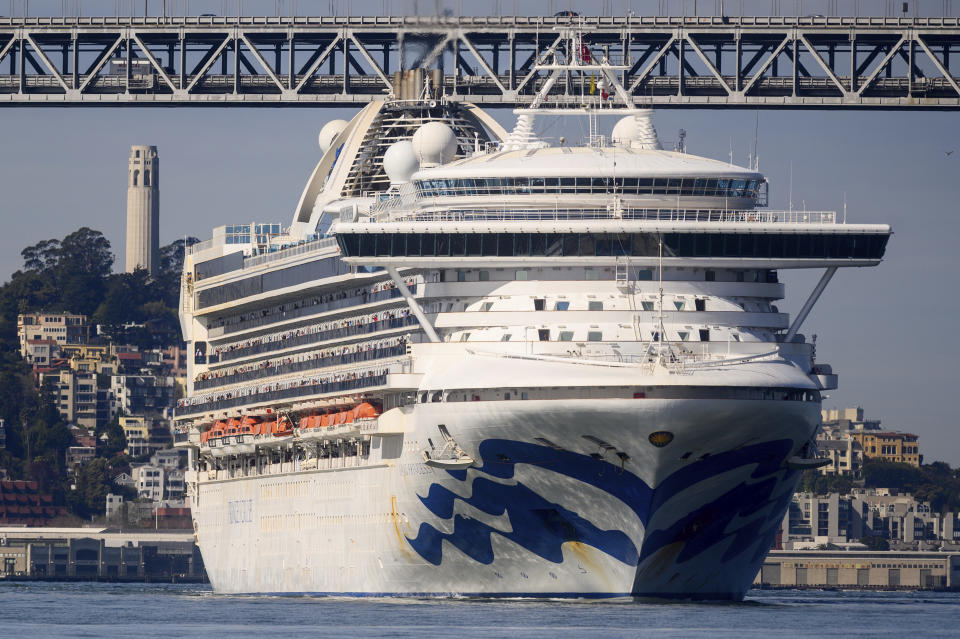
column 611, row 161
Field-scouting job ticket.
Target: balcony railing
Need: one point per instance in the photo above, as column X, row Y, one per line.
column 303, row 311
column 304, row 390
column 323, row 336
column 299, row 367
column 657, row 215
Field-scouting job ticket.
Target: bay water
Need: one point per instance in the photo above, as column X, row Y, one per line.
column 30, row 610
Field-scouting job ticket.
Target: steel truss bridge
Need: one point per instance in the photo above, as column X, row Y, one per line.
column 752, row 62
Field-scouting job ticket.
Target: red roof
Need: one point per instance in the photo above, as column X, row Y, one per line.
column 130, row 356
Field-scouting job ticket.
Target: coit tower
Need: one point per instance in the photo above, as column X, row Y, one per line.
column 143, row 209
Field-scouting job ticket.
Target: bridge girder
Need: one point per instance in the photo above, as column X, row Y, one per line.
column 777, row 62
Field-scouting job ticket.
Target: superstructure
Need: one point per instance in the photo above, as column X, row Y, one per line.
column 477, row 363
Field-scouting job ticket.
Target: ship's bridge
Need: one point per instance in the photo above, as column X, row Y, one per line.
column 632, row 173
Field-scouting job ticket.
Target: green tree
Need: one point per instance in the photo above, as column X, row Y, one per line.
column 116, row 440
column 126, row 293
column 170, row 270
column 93, row 484
column 875, row 543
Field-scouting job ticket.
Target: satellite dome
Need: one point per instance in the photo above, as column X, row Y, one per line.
column 329, row 133
column 636, row 131
column 400, row 162
column 434, row 143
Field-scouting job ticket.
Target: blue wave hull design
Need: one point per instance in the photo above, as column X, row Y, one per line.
column 541, row 525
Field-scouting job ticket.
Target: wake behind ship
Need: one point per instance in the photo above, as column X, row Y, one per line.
column 477, row 363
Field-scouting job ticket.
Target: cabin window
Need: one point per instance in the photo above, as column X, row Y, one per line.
column 594, row 336
column 647, row 306
column 520, row 276
column 539, row 304
column 506, row 395
column 561, row 306
column 505, row 337
column 679, row 304
column 595, row 306
column 461, row 276
column 566, row 336
column 645, row 275
column 710, row 276
column 700, row 304
column 524, row 395
column 684, row 335
column 543, row 334
column 592, row 274
column 437, row 396
column 484, row 276
column 486, row 306
column 704, row 334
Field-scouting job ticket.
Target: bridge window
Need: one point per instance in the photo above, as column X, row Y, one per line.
column 705, row 245
column 524, row 185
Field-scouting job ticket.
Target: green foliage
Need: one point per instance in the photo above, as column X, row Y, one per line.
column 74, row 274
column 935, row 482
column 814, row 482
column 875, row 543
column 93, row 484
column 116, row 439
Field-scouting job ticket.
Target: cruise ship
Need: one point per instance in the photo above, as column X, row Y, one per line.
column 481, row 363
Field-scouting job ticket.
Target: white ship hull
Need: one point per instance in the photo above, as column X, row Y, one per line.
column 694, row 518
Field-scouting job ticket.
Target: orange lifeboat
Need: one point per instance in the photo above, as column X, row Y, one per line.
column 365, row 410
column 249, row 426
column 217, row 431
column 233, row 426
column 284, row 427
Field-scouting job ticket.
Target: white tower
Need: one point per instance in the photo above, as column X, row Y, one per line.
column 143, row 209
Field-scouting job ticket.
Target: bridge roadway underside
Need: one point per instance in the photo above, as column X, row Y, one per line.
column 768, row 62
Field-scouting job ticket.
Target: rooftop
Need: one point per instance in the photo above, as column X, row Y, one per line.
column 610, row 161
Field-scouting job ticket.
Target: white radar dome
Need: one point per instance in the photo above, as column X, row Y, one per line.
column 434, row 143
column 400, row 162
column 329, row 133
column 636, row 131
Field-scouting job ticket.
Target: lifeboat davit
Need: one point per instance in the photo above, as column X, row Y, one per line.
column 249, row 429
column 230, row 436
column 215, row 438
